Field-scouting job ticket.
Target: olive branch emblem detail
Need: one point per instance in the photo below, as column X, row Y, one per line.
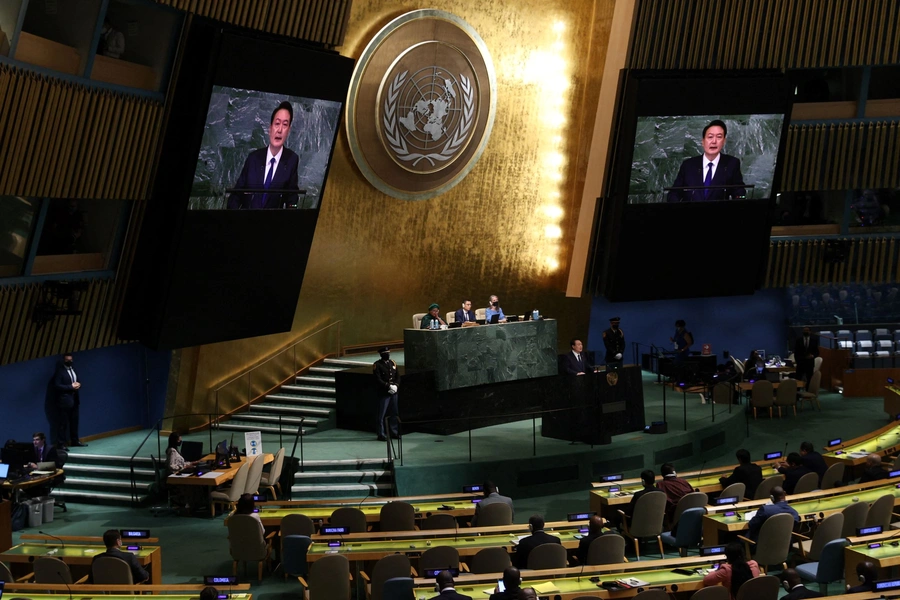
column 397, row 142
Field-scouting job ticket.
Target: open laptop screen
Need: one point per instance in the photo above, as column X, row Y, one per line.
column 4, row 471
column 191, row 451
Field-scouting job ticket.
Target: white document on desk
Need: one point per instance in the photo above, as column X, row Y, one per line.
column 749, row 515
column 210, row 475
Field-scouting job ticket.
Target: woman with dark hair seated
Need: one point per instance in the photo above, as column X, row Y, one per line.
column 175, row 462
column 247, row 506
column 735, row 572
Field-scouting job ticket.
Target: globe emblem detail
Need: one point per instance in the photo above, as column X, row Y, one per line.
column 427, row 117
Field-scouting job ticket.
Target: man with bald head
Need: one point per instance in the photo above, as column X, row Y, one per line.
column 873, row 470
column 779, row 505
column 793, row 585
column 444, row 582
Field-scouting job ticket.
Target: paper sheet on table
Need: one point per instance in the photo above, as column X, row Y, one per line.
column 749, row 515
column 545, row 588
column 210, row 475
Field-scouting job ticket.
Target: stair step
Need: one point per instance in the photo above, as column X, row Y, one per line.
column 357, row 487
column 346, row 363
column 325, row 370
column 82, row 457
column 231, row 426
column 340, row 474
column 67, row 494
column 345, row 461
column 291, row 410
column 308, row 389
column 315, row 379
column 254, row 418
column 318, row 401
column 106, row 470
column 106, row 483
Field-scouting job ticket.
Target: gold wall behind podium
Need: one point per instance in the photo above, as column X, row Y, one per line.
column 506, row 229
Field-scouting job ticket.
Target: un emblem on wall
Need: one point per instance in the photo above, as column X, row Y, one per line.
column 421, row 105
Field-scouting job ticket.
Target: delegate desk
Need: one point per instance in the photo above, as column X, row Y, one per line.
column 272, row 514
column 574, row 582
column 380, row 501
column 605, row 503
column 810, row 506
column 852, row 453
column 77, row 556
column 465, row 542
column 126, row 596
column 12, row 488
column 885, row 556
column 213, row 477
column 426, row 534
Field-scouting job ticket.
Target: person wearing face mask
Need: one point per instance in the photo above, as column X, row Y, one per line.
column 614, row 340
column 683, row 340
column 387, row 378
column 793, row 585
column 806, row 349
column 779, row 505
column 66, row 386
column 493, row 308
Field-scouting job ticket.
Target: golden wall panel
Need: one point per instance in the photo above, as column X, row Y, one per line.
column 505, row 229
column 745, row 34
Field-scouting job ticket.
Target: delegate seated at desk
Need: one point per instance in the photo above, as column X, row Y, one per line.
column 175, row 463
column 433, row 316
column 465, row 314
column 113, row 541
column 493, row 308
column 44, row 454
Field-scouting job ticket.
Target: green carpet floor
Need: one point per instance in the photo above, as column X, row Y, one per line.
column 194, row 547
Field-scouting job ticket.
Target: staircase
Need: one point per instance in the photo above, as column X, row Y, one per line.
column 309, row 400
column 104, row 479
column 350, row 478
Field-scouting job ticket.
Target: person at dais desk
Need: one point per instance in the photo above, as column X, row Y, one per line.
column 465, row 314
column 493, row 308
column 433, row 319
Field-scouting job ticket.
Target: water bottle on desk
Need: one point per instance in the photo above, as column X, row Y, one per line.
column 535, row 315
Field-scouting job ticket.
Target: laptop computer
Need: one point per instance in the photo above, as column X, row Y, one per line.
column 454, row 324
column 512, row 318
column 495, row 319
column 4, row 472
column 192, row 451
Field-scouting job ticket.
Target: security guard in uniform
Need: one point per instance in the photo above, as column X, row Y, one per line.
column 388, row 378
column 614, row 340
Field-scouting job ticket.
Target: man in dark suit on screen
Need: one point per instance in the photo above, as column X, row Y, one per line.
column 271, row 170
column 712, row 168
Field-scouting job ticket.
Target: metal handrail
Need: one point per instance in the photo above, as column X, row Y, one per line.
column 249, row 372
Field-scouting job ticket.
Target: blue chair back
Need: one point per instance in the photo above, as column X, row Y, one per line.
column 831, row 561
column 690, row 528
column 294, row 560
column 398, row 588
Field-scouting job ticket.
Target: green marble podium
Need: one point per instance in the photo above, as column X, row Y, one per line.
column 469, row 356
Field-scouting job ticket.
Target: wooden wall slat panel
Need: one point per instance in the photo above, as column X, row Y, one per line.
column 322, row 21
column 789, row 34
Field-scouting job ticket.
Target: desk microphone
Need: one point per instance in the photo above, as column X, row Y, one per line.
column 699, row 475
column 63, row 579
column 359, row 506
column 54, row 537
column 581, row 571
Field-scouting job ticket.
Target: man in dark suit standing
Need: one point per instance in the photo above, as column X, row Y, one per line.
column 614, row 341
column 113, row 541
column 271, row 168
column 712, row 168
column 806, row 349
column 465, row 314
column 444, row 582
column 67, row 388
column 576, row 362
column 537, row 537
